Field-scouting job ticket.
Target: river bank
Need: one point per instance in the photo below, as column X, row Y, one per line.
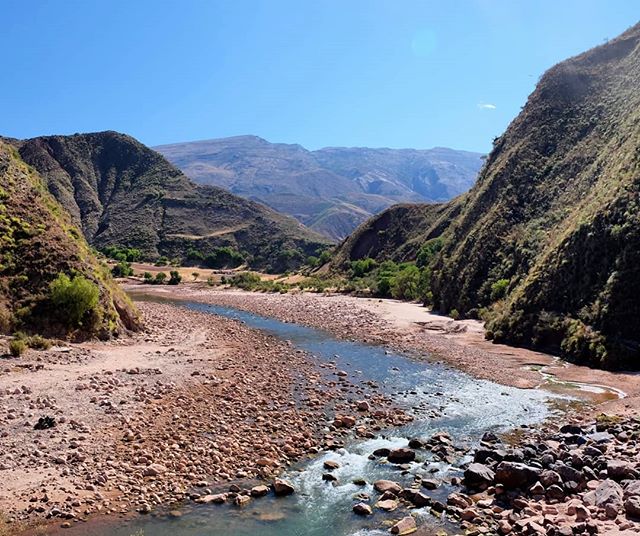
column 410, row 328
column 192, row 403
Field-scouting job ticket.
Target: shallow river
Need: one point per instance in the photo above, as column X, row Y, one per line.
column 466, row 408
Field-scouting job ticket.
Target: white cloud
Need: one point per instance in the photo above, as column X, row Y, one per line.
column 486, row 106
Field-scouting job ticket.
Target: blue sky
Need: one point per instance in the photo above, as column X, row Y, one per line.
column 394, row 73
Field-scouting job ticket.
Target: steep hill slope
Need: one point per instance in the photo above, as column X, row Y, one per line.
column 555, row 213
column 395, row 234
column 123, row 193
column 546, row 245
column 38, row 242
column 331, row 190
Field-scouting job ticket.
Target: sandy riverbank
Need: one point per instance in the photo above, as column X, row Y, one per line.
column 412, row 328
column 194, row 402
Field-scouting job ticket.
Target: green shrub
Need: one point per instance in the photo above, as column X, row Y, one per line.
column 175, row 277
column 246, row 281
column 148, row 277
column 195, row 275
column 428, row 251
column 38, row 342
column 362, row 266
column 324, row 257
column 17, row 347
column 406, row 284
column 224, row 257
column 499, row 289
column 160, row 278
column 454, row 314
column 73, row 298
column 122, row 254
column 122, row 269
column 162, row 261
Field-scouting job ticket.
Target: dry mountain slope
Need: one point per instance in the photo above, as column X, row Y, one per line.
column 123, row 193
column 37, row 243
column 331, row 190
column 546, row 245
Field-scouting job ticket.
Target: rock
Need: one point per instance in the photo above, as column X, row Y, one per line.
column 477, row 475
column 44, row 423
column 549, row 478
column 632, row 506
column 401, row 455
column 155, row 469
column 429, row 484
column 620, row 470
column 259, row 491
column 482, row 455
column 383, row 486
column 407, row 525
column 415, row 497
column 607, row 493
column 282, row 487
column 363, row 405
column 218, row 498
column 388, row 505
column 516, row 475
column 415, row 443
column 382, row 452
column 344, row 421
column 330, row 465
column 582, row 514
column 328, row 477
column 362, row 509
column 537, row 489
column 460, row 500
column 571, row 429
column 241, row 500
column 504, row 527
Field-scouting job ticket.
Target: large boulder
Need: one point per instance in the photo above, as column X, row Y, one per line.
column 282, row 487
column 608, row 492
column 620, row 470
column 401, row 456
column 477, row 475
column 632, row 506
column 406, row 525
column 387, row 485
column 516, row 475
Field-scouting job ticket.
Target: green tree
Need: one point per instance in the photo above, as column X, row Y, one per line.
column 406, row 283
column 175, row 277
column 159, row 279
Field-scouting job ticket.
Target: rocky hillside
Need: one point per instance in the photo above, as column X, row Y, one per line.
column 38, row 243
column 395, row 234
column 331, row 190
column 546, row 245
column 122, row 193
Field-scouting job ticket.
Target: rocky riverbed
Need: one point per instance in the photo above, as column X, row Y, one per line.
column 578, row 479
column 172, row 414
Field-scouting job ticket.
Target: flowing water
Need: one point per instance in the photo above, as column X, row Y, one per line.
column 466, row 408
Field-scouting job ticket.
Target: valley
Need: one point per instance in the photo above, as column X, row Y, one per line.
column 236, row 337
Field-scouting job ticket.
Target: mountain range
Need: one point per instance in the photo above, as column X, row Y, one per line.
column 121, row 193
column 330, row 190
column 553, row 220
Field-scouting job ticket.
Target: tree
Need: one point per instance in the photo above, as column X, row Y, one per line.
column 175, row 277
column 160, row 277
column 406, row 283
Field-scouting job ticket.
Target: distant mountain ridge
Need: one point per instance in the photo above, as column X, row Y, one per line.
column 120, row 192
column 330, row 190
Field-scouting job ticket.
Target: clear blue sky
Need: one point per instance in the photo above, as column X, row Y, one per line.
column 395, row 73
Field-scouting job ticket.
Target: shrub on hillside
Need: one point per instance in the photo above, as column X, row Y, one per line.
column 73, row 298
column 174, row 278
column 499, row 289
column 160, row 278
column 246, row 280
column 224, row 257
